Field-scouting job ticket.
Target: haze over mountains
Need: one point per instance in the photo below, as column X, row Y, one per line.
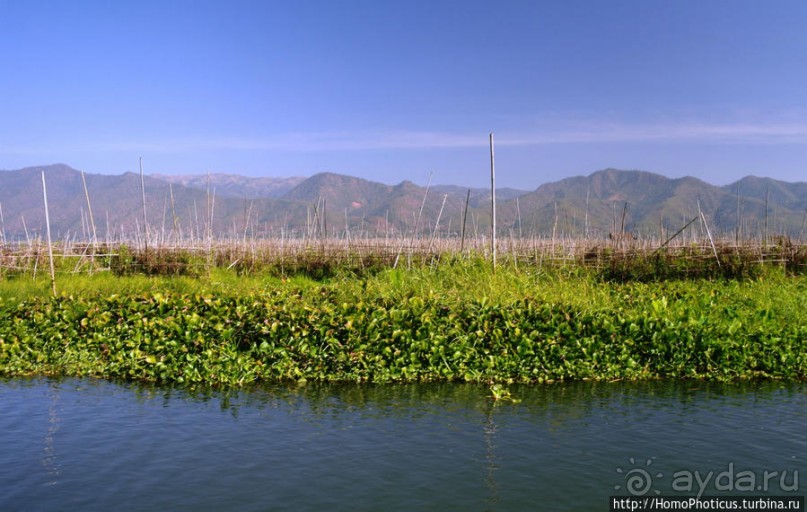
column 292, row 206
column 233, row 185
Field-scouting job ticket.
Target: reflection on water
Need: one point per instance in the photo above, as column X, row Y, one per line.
column 490, row 445
column 49, row 460
column 95, row 445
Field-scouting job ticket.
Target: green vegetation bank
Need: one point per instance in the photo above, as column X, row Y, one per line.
column 456, row 321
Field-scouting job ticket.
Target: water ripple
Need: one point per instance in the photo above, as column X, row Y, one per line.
column 97, row 445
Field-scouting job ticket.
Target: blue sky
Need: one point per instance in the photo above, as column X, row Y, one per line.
column 394, row 90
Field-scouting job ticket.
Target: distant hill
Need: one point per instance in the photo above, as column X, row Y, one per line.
column 597, row 203
column 233, row 185
column 652, row 203
column 480, row 197
column 346, row 205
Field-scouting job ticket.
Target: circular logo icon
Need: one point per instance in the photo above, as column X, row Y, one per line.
column 638, row 481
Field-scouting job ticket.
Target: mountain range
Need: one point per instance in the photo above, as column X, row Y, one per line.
column 606, row 201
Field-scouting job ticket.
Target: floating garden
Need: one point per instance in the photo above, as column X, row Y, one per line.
column 450, row 318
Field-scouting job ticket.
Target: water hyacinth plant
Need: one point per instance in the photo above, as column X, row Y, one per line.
column 453, row 321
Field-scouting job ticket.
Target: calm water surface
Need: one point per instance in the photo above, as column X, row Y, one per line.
column 96, row 445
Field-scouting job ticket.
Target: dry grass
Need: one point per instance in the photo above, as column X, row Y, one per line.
column 618, row 259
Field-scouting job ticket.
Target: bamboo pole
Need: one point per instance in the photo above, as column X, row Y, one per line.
column 25, row 229
column 347, row 229
column 246, row 222
column 518, row 209
column 662, row 246
column 165, row 215
column 492, row 203
column 324, row 217
column 437, row 223
column 613, row 218
column 711, row 241
column 765, row 235
column 737, row 229
column 622, row 224
column 209, row 230
column 554, row 227
column 585, row 229
column 464, row 220
column 417, row 223
column 2, row 224
column 307, row 221
column 89, row 209
column 196, row 218
column 85, row 228
column 92, row 222
column 47, row 228
column 145, row 215
column 173, row 208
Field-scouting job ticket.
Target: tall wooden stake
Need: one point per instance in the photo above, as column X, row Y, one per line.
column 145, row 215
column 464, row 220
column 2, row 224
column 767, row 195
column 92, row 222
column 173, row 209
column 518, row 210
column 324, row 217
column 89, row 209
column 586, row 221
column 417, row 223
column 737, row 229
column 492, row 203
column 437, row 223
column 47, row 228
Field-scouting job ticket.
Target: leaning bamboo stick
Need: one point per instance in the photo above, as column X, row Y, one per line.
column 675, row 234
column 417, row 223
column 711, row 241
column 92, row 222
column 47, row 227
column 464, row 220
column 437, row 223
column 89, row 209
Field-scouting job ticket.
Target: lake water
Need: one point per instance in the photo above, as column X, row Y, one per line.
column 94, row 445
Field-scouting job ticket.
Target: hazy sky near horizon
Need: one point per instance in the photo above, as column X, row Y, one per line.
column 395, row 90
